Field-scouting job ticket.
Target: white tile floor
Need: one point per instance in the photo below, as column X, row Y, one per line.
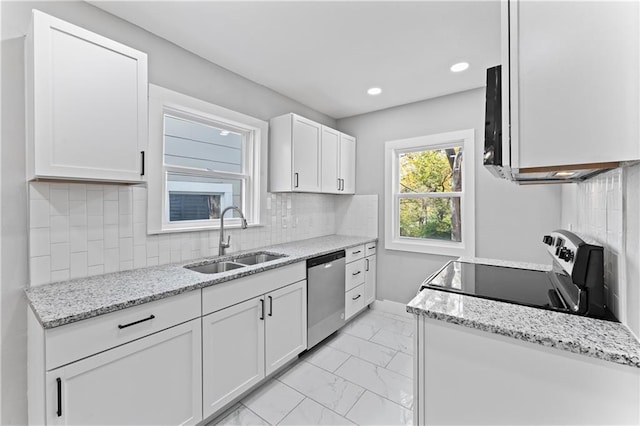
column 361, row 375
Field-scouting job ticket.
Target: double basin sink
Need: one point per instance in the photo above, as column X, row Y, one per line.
column 238, row 262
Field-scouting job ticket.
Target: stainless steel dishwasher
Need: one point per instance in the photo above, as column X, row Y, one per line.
column 325, row 296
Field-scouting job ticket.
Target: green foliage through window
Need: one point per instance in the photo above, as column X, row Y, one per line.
column 427, row 173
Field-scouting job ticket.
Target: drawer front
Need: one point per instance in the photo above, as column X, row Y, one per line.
column 354, row 274
column 354, row 253
column 71, row 342
column 354, row 301
column 370, row 248
column 229, row 293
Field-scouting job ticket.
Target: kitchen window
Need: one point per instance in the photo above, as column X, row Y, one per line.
column 202, row 159
column 429, row 187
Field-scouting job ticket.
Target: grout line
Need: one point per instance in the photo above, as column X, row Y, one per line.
column 254, row 411
column 296, row 406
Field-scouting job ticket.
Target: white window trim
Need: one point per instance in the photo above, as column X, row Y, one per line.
column 393, row 240
column 163, row 101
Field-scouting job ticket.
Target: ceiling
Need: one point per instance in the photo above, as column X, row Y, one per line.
column 327, row 54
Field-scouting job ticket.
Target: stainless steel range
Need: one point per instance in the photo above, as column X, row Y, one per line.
column 575, row 285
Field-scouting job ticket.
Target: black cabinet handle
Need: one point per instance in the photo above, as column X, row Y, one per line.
column 59, row 387
column 338, row 184
column 372, row 247
column 142, row 155
column 270, row 306
column 262, row 309
column 342, row 186
column 356, row 273
column 149, row 318
column 295, row 180
column 356, row 298
column 356, row 252
column 367, row 264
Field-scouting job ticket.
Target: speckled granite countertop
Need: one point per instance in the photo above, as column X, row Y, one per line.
column 605, row 340
column 65, row 302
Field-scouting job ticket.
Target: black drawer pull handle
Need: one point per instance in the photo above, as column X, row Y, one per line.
column 356, row 298
column 59, row 387
column 142, row 171
column 262, row 309
column 355, row 252
column 356, row 273
column 372, row 247
column 270, row 306
column 149, row 318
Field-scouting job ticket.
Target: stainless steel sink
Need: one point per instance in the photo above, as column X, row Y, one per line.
column 215, row 268
column 235, row 263
column 255, row 258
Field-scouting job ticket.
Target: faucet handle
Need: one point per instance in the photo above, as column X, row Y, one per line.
column 228, row 244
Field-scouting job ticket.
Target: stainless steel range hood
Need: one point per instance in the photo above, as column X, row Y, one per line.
column 553, row 174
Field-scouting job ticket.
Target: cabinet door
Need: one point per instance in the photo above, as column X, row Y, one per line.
column 151, row 381
column 330, row 160
column 306, row 155
column 89, row 112
column 369, row 279
column 348, row 163
column 286, row 325
column 232, row 352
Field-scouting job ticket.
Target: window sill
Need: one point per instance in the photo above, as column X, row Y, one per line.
column 202, row 228
column 442, row 248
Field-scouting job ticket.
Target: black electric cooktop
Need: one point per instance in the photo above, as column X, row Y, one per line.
column 506, row 284
column 520, row 286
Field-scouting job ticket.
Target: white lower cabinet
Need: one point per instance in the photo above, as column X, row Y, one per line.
column 156, row 380
column 232, row 353
column 246, row 342
column 369, row 279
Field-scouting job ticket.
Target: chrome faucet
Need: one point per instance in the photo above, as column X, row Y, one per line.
column 226, row 245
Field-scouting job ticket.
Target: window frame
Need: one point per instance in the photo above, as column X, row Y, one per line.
column 393, row 240
column 167, row 102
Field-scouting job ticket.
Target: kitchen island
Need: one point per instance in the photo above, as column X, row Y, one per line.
column 479, row 361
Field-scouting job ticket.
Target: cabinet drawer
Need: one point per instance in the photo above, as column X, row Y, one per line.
column 370, row 248
column 229, row 293
column 71, row 342
column 354, row 253
column 354, row 274
column 354, row 301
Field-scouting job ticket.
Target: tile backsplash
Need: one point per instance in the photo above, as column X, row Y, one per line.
column 357, row 215
column 600, row 216
column 78, row 230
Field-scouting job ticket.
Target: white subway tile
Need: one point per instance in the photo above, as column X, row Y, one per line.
column 39, row 191
column 59, row 202
column 62, row 275
column 152, row 261
column 111, row 237
column 78, row 263
column 111, row 260
column 78, row 213
column 78, row 239
column 95, row 270
column 126, row 249
column 95, row 203
column 139, row 192
column 39, row 242
column 59, row 232
column 140, row 211
column 95, row 228
column 111, row 192
column 39, row 270
column 126, row 265
column 111, row 215
column 95, row 253
column 77, row 192
column 125, row 201
column 59, row 256
column 139, row 256
column 139, row 234
column 38, row 213
column 126, row 226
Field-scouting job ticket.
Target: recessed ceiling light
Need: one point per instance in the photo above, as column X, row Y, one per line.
column 374, row 91
column 460, row 66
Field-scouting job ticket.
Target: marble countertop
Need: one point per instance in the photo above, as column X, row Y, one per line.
column 65, row 302
column 606, row 340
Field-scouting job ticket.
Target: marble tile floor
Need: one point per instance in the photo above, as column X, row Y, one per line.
column 361, row 375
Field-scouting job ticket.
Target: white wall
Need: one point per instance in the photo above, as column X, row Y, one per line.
column 510, row 219
column 169, row 66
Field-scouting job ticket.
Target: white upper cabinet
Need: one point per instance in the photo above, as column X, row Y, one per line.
column 305, row 156
column 86, row 104
column 294, row 154
column 572, row 71
column 338, row 162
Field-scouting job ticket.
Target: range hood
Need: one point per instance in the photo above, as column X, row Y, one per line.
column 498, row 151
